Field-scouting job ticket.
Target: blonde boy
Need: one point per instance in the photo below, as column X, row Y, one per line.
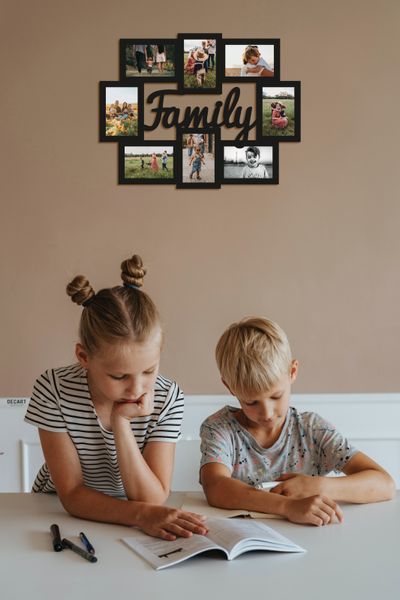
column 267, row 440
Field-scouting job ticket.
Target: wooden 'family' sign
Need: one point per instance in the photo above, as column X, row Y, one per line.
column 198, row 157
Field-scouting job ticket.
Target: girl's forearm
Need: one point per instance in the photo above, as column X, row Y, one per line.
column 140, row 483
column 87, row 503
column 365, row 486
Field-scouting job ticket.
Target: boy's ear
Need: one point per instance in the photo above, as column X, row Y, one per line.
column 227, row 386
column 81, row 355
column 294, row 367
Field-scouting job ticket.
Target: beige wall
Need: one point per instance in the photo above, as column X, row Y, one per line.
column 319, row 253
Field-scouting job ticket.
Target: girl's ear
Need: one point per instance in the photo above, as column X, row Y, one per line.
column 81, row 355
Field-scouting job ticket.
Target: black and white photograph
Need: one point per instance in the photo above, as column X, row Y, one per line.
column 251, row 163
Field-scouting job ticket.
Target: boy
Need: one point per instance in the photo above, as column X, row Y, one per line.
column 164, row 160
column 267, row 440
column 253, row 169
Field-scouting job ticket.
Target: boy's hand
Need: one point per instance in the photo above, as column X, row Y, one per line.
column 316, row 510
column 298, row 485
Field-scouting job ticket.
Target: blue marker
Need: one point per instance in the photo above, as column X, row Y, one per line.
column 86, row 543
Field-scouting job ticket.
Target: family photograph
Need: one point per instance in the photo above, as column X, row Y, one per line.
column 198, row 158
column 249, row 162
column 150, row 60
column 200, row 58
column 278, row 111
column 121, row 111
column 249, row 60
column 149, row 162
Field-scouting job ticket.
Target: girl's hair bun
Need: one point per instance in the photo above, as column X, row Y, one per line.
column 80, row 290
column 133, row 271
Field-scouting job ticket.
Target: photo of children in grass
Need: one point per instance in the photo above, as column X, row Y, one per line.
column 248, row 162
column 153, row 162
column 199, row 65
column 198, row 158
column 149, row 60
column 249, row 60
column 121, row 111
column 278, row 111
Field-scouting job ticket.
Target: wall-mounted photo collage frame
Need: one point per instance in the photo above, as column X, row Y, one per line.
column 198, row 157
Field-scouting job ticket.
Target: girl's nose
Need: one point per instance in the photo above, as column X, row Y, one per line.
column 133, row 389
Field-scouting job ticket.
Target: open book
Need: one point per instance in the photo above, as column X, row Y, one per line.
column 233, row 537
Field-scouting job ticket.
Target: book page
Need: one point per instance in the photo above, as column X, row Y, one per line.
column 161, row 553
column 238, row 536
column 196, row 502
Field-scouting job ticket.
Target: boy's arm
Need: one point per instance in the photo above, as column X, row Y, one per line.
column 223, row 491
column 365, row 481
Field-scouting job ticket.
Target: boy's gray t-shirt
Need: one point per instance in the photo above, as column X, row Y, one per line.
column 307, row 444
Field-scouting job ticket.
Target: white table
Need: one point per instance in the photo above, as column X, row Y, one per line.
column 358, row 560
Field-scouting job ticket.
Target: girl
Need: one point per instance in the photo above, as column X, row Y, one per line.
column 189, row 67
column 108, row 424
column 277, row 120
column 195, row 162
column 154, row 163
column 254, row 64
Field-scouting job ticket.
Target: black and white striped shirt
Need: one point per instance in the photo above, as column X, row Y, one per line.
column 61, row 402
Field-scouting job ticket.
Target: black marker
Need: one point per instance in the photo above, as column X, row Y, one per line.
column 86, row 543
column 67, row 544
column 55, row 532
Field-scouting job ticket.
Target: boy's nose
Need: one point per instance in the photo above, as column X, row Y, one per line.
column 266, row 412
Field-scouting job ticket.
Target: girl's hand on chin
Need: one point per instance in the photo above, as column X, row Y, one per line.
column 130, row 409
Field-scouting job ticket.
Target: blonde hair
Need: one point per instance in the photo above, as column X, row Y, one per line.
column 252, row 355
column 249, row 52
column 119, row 314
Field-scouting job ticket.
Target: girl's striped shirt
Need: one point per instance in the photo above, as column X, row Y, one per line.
column 61, row 402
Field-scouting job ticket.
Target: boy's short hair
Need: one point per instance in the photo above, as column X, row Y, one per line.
column 254, row 150
column 252, row 355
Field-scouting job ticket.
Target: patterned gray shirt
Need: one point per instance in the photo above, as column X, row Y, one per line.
column 307, row 444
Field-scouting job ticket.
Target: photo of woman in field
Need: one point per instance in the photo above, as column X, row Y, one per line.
column 121, row 111
column 152, row 162
column 278, row 111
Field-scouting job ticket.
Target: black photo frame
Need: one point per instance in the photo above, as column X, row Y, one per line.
column 112, row 128
column 242, row 43
column 184, row 167
column 126, row 72
column 266, row 128
column 144, row 165
column 216, row 70
column 233, row 169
